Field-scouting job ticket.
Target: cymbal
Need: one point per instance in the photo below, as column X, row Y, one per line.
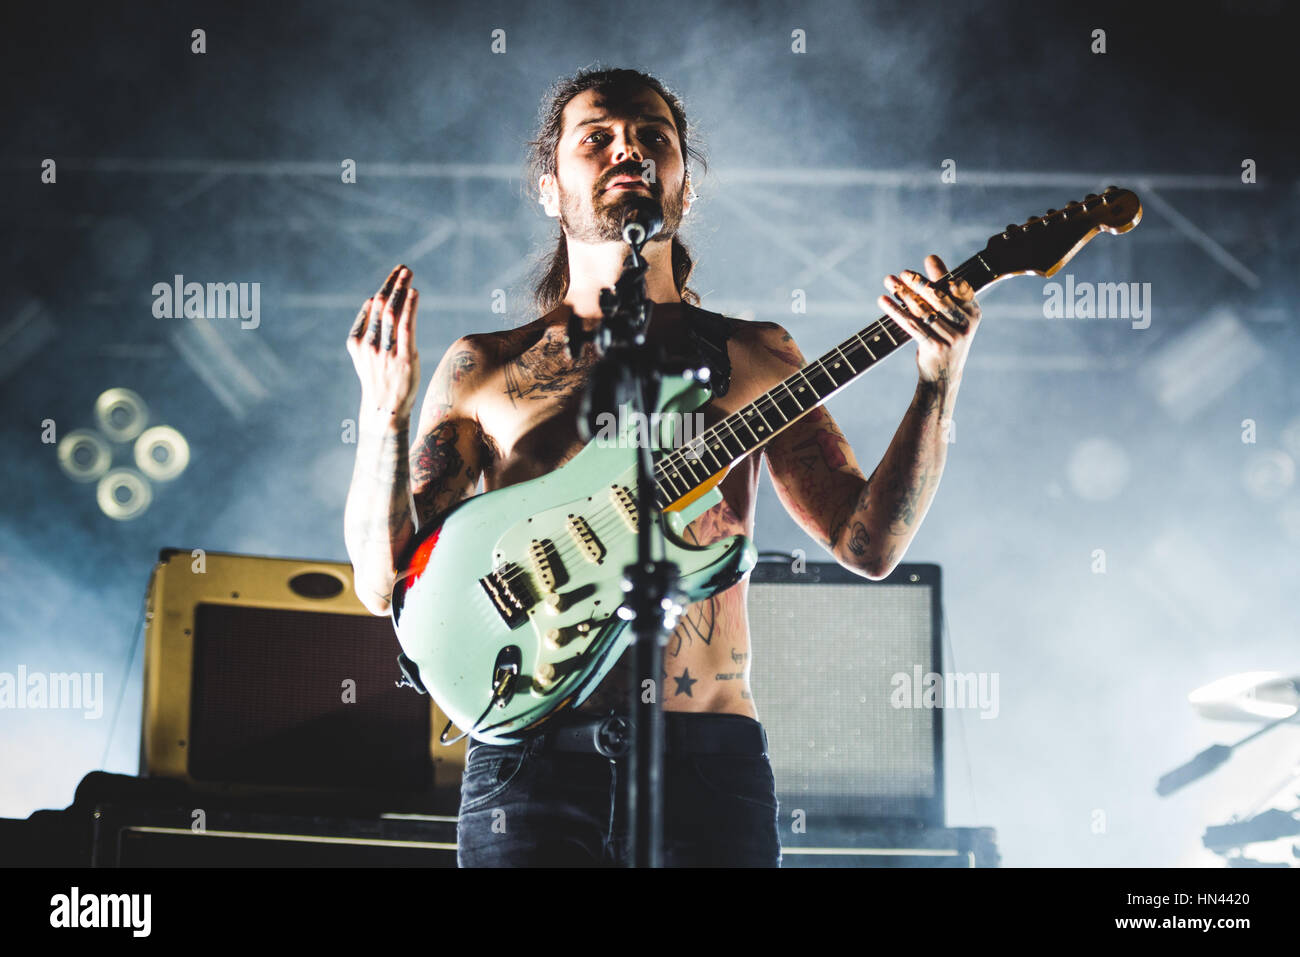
column 1254, row 696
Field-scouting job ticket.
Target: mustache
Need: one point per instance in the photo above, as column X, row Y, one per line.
column 627, row 169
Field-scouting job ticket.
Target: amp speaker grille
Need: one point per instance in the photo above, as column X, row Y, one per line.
column 827, row 647
column 268, row 702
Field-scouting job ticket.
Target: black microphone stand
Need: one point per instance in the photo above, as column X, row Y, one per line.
column 628, row 373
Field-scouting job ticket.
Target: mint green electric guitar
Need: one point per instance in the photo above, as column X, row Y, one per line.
column 508, row 602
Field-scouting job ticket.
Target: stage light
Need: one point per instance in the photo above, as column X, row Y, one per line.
column 161, row 453
column 121, row 414
column 84, row 456
column 124, row 494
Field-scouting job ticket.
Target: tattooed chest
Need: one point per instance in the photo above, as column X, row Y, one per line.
column 545, row 372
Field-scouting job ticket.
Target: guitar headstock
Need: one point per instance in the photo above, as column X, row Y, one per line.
column 1044, row 244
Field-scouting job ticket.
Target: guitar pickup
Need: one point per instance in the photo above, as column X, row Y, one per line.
column 624, row 504
column 582, row 535
column 546, row 566
column 508, row 593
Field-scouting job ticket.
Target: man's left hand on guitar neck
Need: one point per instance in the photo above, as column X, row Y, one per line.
column 941, row 320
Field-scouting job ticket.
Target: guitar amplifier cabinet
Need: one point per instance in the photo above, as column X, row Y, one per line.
column 891, row 845
column 267, row 675
column 830, row 648
column 131, row 836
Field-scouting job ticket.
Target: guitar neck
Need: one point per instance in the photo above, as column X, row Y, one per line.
column 680, row 472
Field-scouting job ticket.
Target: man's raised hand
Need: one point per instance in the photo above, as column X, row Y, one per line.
column 382, row 346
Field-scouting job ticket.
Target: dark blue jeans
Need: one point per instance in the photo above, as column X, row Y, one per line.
column 523, row 806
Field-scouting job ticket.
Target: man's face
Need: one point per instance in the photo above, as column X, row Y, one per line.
column 604, row 140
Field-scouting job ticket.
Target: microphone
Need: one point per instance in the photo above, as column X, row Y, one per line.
column 642, row 220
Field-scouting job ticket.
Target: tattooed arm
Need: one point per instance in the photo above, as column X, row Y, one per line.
column 865, row 524
column 447, row 457
column 394, row 487
column 876, row 527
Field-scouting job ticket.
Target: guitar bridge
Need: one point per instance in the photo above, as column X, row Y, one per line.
column 506, row 589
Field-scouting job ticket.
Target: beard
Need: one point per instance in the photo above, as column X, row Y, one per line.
column 601, row 220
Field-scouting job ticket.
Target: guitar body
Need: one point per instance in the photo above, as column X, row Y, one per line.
column 532, row 574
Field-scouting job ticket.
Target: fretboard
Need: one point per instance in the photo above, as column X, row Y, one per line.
column 681, row 471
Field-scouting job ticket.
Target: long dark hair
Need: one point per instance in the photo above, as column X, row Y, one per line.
column 551, row 278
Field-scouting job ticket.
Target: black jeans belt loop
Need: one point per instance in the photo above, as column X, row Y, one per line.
column 611, row 736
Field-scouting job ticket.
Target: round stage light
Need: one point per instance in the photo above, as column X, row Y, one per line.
column 121, row 414
column 161, row 453
column 124, row 494
column 84, row 455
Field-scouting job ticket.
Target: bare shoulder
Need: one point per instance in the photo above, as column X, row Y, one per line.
column 471, row 356
column 755, row 330
column 493, row 350
column 472, row 359
column 763, row 343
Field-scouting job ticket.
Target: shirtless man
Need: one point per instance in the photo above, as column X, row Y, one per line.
column 502, row 408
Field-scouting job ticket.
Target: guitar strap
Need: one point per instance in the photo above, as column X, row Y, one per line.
column 710, row 332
